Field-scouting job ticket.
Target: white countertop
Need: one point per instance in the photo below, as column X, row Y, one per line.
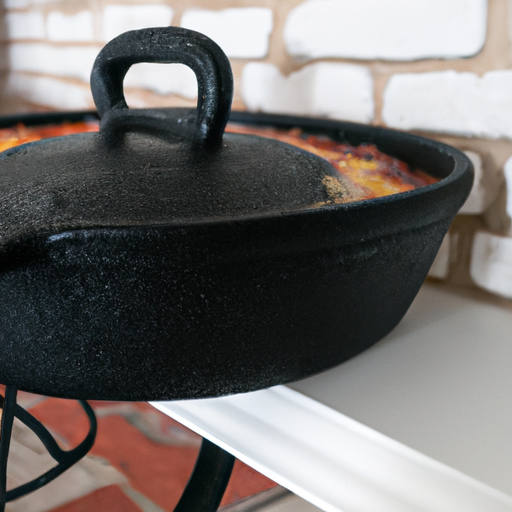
column 422, row 421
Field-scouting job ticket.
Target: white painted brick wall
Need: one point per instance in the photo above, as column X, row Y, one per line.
column 117, row 19
column 163, row 79
column 70, row 28
column 25, row 25
column 61, row 61
column 50, row 92
column 485, row 189
column 241, row 32
column 491, row 263
column 391, row 29
column 451, row 102
column 338, row 91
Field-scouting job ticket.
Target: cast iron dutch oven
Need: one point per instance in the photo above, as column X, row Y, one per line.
column 164, row 259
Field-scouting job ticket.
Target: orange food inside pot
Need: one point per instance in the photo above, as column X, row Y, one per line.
column 21, row 134
column 364, row 172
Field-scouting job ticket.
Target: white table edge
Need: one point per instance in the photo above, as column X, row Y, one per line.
column 329, row 459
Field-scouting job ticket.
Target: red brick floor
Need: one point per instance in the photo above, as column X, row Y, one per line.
column 111, row 499
column 155, row 453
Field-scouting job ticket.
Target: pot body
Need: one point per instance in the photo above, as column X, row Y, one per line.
column 201, row 309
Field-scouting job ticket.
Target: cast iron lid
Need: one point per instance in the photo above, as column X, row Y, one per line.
column 150, row 167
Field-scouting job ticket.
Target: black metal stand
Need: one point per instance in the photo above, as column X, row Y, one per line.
column 9, row 404
column 203, row 492
column 65, row 459
column 208, row 481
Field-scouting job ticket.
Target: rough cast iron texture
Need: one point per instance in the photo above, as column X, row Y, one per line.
column 206, row 308
column 143, row 308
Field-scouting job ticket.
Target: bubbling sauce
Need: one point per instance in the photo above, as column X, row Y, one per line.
column 364, row 172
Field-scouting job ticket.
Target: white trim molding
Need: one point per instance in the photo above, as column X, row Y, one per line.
column 329, row 459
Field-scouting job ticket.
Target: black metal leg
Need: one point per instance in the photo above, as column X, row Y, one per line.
column 9, row 405
column 65, row 459
column 203, row 492
column 208, row 481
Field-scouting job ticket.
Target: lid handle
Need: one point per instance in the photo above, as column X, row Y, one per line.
column 163, row 45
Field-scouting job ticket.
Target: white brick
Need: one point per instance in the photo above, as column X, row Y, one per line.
column 451, row 102
column 491, row 263
column 499, row 216
column 65, row 61
column 50, row 92
column 241, row 32
column 25, row 25
column 21, row 4
column 507, row 171
column 339, row 91
column 163, row 79
column 121, row 18
column 392, row 29
column 441, row 266
column 486, row 186
column 70, row 28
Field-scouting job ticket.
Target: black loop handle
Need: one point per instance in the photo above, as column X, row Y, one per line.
column 163, row 45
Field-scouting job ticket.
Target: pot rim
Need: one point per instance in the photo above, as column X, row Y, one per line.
column 345, row 219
